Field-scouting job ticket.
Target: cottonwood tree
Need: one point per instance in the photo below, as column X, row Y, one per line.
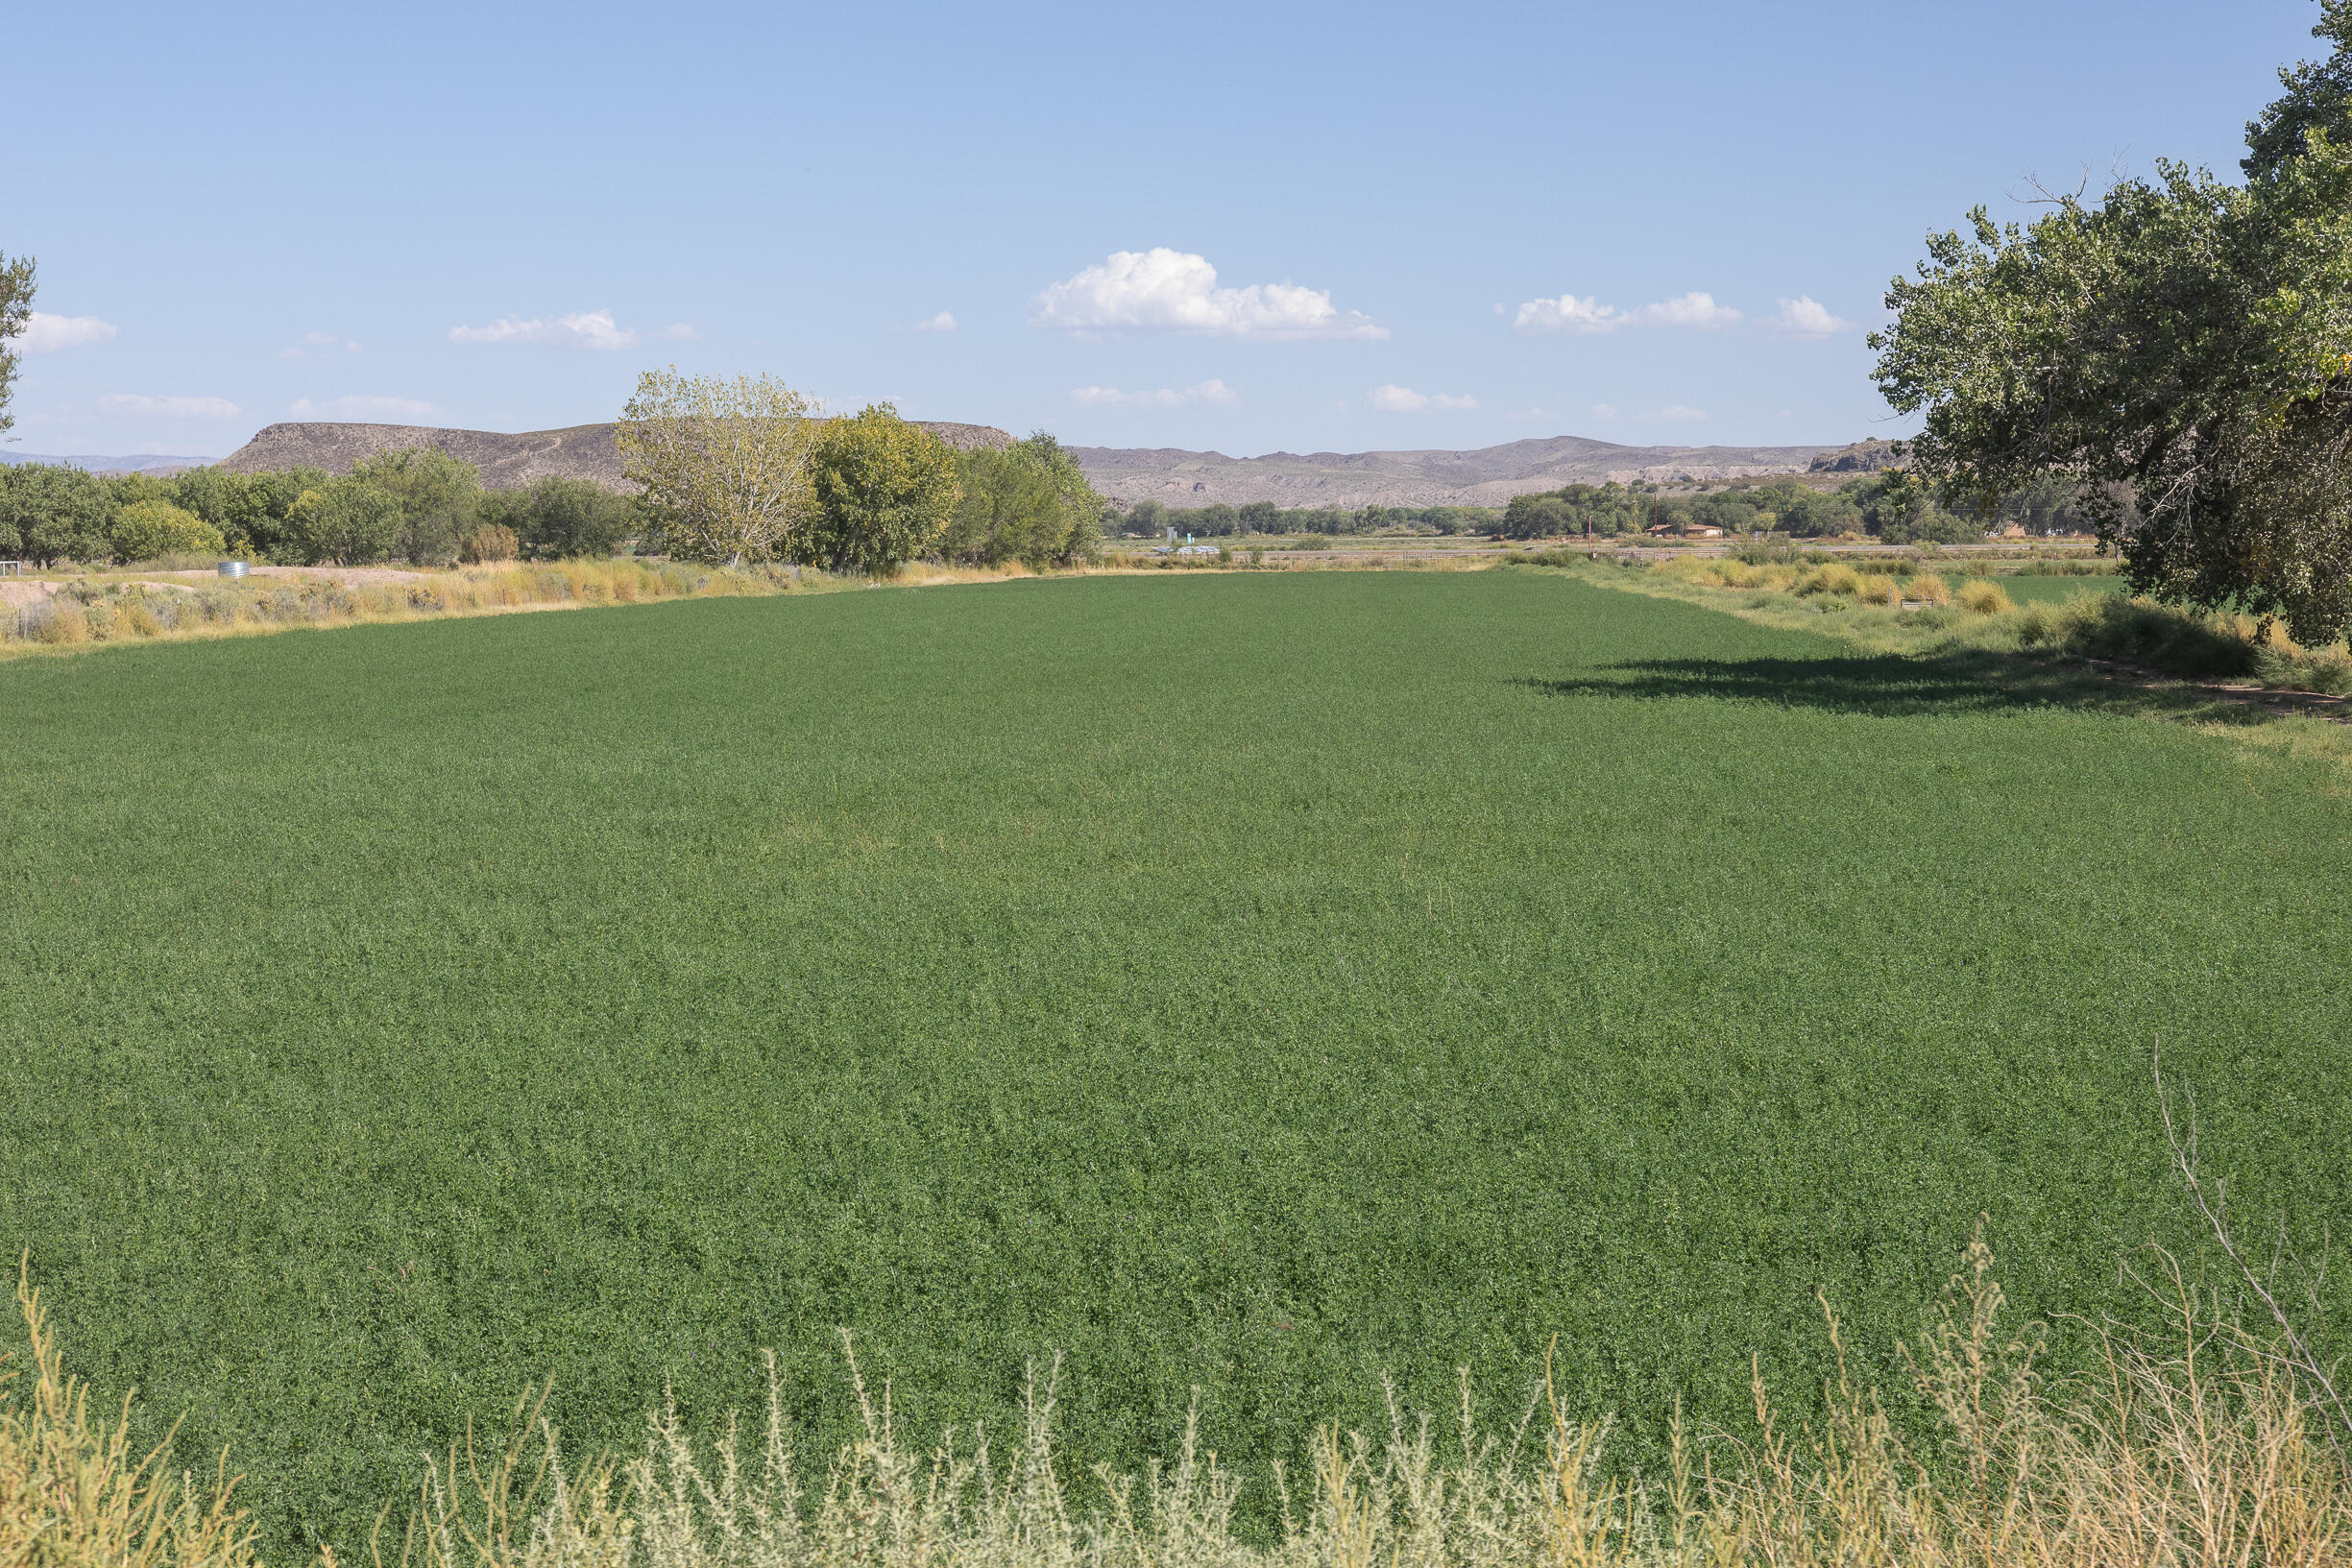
column 886, row 490
column 15, row 310
column 2180, row 351
column 726, row 464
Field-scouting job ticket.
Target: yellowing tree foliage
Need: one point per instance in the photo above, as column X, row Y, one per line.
column 726, row 464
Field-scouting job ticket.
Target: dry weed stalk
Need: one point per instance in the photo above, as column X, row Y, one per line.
column 75, row 1494
column 2197, row 1451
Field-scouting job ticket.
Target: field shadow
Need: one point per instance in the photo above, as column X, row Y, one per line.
column 1894, row 686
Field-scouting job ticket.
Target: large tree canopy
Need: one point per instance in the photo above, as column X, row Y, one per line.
column 2182, row 350
column 15, row 310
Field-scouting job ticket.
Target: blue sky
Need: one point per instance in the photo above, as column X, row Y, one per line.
column 1247, row 228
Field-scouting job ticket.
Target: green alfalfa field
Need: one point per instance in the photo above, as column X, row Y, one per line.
column 1254, row 983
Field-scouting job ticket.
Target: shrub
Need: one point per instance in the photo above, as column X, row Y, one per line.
column 2158, row 636
column 1984, row 597
column 151, row 530
column 1929, row 588
column 1311, row 541
column 490, row 542
column 57, row 621
column 138, row 618
column 1837, row 578
column 1877, row 588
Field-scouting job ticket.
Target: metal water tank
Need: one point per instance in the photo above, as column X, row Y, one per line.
column 234, row 569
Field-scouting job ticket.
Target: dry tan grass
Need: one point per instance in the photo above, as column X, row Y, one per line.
column 2195, row 1452
column 102, row 610
column 2195, row 1448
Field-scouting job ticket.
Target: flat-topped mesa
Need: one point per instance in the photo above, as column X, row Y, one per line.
column 1488, row 476
column 507, row 462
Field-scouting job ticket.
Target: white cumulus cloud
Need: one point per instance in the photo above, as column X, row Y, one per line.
column 1161, row 290
column 170, row 408
column 1391, row 399
column 1199, row 392
column 46, row 334
column 1603, row 411
column 1571, row 314
column 583, row 330
column 362, row 408
column 1805, row 317
column 941, row 323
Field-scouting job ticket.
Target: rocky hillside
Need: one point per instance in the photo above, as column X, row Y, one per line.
column 508, row 462
column 1862, row 457
column 1488, row 476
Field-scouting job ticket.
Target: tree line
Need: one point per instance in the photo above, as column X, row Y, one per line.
column 865, row 494
column 1151, row 519
column 1885, row 506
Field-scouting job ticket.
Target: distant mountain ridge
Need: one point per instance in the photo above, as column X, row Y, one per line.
column 1487, row 476
column 131, row 463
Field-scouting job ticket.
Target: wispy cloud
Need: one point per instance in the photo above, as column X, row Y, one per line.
column 362, row 408
column 941, row 323
column 1677, row 411
column 679, row 332
column 320, row 343
column 1603, row 411
column 1391, row 399
column 1805, row 317
column 46, row 334
column 585, row 329
column 1569, row 313
column 1161, row 290
column 170, row 408
column 1201, row 391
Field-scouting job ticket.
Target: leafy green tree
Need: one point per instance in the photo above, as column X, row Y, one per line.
column 1147, row 516
column 1261, row 516
column 15, row 310
column 1026, row 502
column 1534, row 517
column 348, row 522
column 50, row 512
column 555, row 518
column 150, row 530
column 884, row 489
column 440, row 496
column 2180, row 353
column 249, row 509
